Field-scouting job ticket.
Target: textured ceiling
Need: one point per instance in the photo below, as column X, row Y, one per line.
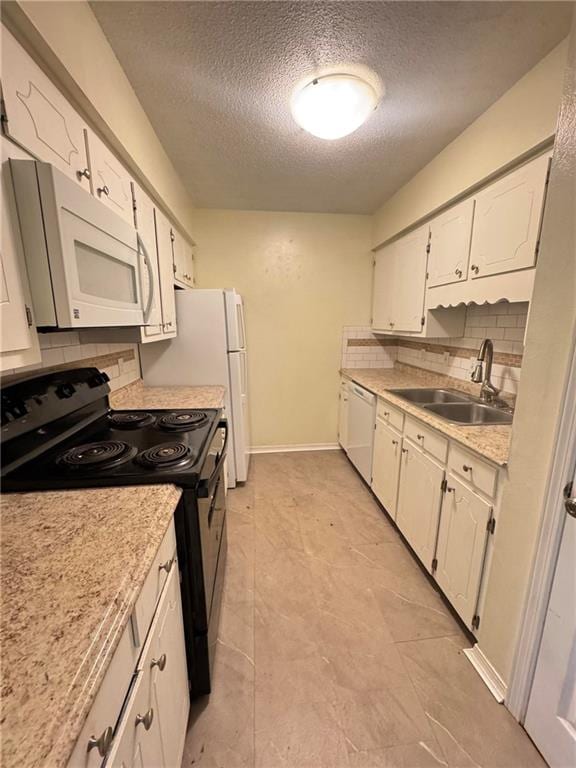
column 215, row 80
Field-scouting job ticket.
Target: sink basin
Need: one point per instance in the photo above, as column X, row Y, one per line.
column 421, row 396
column 470, row 413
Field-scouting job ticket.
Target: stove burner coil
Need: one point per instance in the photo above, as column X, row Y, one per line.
column 182, row 422
column 102, row 455
column 131, row 420
column 165, row 456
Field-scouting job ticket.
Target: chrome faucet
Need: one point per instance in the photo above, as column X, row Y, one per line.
column 488, row 392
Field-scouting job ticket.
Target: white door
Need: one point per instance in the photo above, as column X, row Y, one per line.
column 111, row 183
column 144, row 222
column 507, row 221
column 386, row 466
column 551, row 716
column 16, row 332
column 383, row 296
column 240, row 413
column 410, row 257
column 461, row 547
column 166, row 272
column 419, row 498
column 450, row 236
column 343, row 416
column 39, row 118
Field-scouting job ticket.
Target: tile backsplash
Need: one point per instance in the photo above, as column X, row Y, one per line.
column 504, row 323
column 64, row 350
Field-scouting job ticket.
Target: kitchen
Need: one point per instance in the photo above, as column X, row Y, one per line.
column 332, row 530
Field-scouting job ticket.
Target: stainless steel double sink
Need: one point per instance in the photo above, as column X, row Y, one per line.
column 456, row 407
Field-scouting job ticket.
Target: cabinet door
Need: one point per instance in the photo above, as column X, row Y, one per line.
column 144, row 220
column 386, row 466
column 410, row 280
column 111, row 183
column 383, row 296
column 166, row 270
column 343, row 416
column 166, row 664
column 461, row 547
column 450, row 236
column 16, row 331
column 419, row 498
column 183, row 253
column 38, row 117
column 507, row 221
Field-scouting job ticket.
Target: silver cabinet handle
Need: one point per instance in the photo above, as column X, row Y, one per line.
column 160, row 663
column 103, row 190
column 146, row 719
column 85, row 172
column 167, row 566
column 458, row 272
column 475, row 268
column 102, row 743
column 466, row 468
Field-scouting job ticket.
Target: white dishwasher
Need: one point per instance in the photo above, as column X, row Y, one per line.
column 361, row 420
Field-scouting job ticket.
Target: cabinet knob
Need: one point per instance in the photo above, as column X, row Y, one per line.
column 167, row 566
column 84, row 173
column 466, row 468
column 102, row 743
column 394, row 442
column 103, row 190
column 449, row 489
column 475, row 268
column 146, row 719
column 420, row 437
column 458, row 272
column 160, row 663
column 404, row 450
column 386, row 413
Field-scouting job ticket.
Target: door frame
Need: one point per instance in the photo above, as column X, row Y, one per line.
column 547, row 549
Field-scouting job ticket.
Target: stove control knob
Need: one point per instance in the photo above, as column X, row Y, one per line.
column 65, row 390
column 97, row 380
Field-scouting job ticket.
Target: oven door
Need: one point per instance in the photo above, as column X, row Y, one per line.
column 84, row 260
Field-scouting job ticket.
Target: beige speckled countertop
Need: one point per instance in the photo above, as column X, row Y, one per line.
column 491, row 442
column 72, row 566
column 139, row 396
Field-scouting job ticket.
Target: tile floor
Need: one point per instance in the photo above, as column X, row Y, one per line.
column 334, row 650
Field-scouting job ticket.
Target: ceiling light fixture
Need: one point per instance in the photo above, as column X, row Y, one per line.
column 333, row 106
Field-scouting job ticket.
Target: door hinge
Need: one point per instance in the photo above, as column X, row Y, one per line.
column 491, row 524
column 427, row 275
column 475, row 621
column 29, row 319
column 422, row 321
column 444, row 486
column 3, row 115
column 434, row 565
column 172, row 236
column 174, row 268
column 428, row 248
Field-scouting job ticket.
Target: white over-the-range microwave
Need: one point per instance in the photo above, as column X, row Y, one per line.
column 87, row 267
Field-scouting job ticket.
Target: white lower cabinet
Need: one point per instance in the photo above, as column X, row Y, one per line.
column 386, row 466
column 343, row 416
column 419, row 500
column 461, row 546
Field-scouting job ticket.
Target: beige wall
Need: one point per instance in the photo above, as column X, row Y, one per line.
column 70, row 42
column 303, row 277
column 544, row 375
column 521, row 119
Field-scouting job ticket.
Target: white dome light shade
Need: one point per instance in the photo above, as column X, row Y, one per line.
column 333, row 106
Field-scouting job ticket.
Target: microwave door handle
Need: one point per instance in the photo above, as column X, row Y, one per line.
column 142, row 248
column 204, row 489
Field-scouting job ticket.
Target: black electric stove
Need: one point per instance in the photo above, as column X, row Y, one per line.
column 59, row 432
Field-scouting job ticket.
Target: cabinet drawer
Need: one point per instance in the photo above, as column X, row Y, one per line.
column 164, row 562
column 390, row 415
column 479, row 475
column 429, row 440
column 108, row 703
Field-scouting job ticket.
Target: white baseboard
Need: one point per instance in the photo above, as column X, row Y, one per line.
column 494, row 682
column 293, row 448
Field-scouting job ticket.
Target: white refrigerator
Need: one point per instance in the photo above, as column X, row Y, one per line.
column 210, row 349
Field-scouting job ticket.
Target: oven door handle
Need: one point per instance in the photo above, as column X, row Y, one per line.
column 204, row 488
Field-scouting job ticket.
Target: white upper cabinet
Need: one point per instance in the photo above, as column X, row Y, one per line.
column 110, row 181
column 183, row 254
column 450, row 236
column 18, row 339
column 38, row 117
column 166, row 269
column 384, row 269
column 461, row 547
column 507, row 221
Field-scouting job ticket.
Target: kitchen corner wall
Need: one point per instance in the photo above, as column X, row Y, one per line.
column 303, row 276
column 63, row 350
